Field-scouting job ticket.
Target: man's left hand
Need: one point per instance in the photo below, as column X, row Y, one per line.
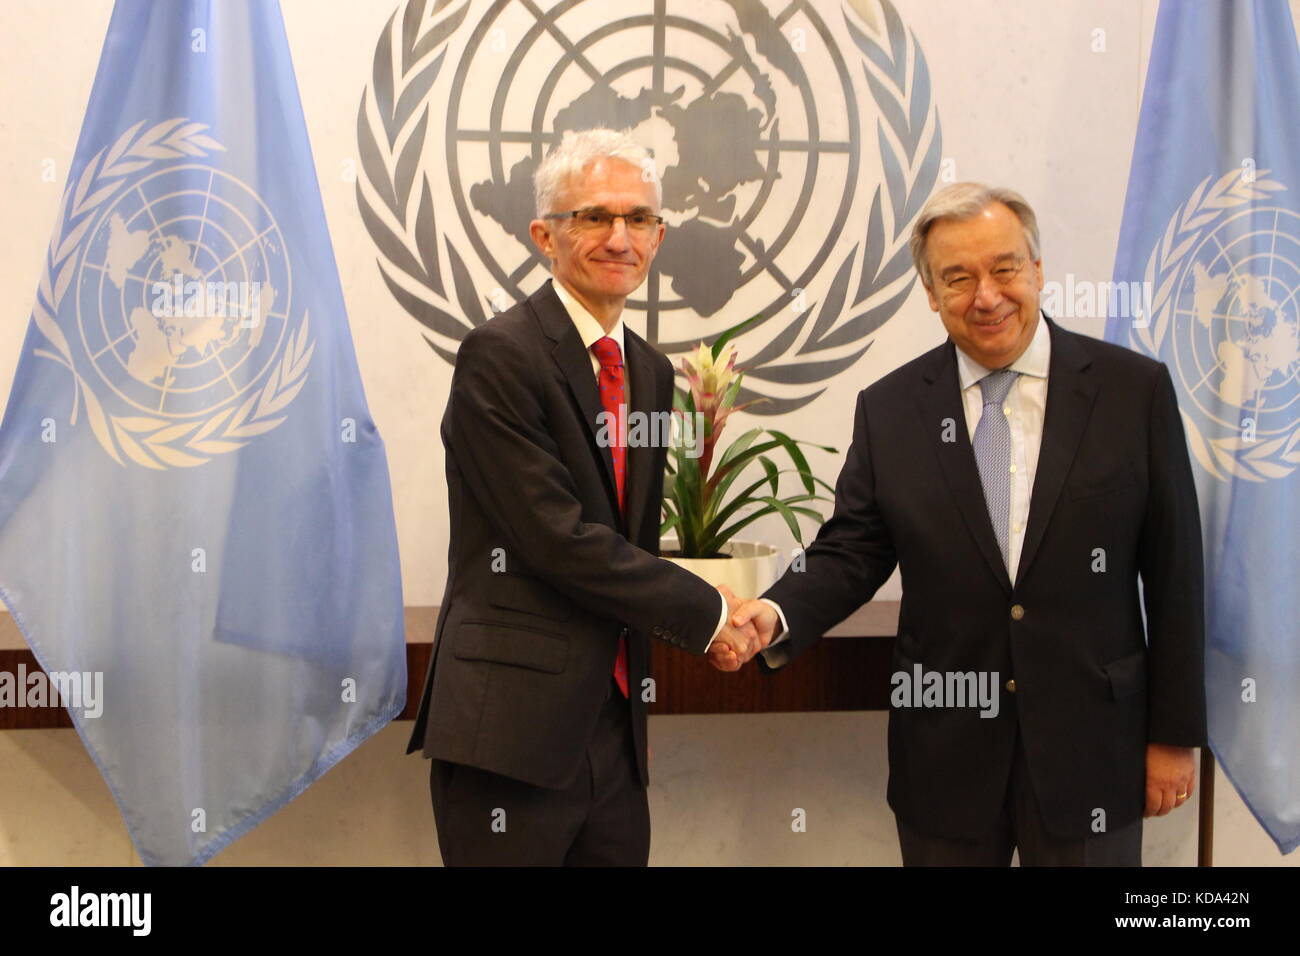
column 1171, row 776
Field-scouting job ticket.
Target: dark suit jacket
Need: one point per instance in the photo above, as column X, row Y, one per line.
column 1089, row 690
column 523, row 656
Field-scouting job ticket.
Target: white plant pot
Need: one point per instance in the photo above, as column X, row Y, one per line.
column 751, row 569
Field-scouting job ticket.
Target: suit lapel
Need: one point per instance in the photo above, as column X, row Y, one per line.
column 640, row 457
column 940, row 401
column 1070, row 396
column 575, row 363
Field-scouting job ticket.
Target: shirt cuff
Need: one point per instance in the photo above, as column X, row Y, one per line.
column 722, row 622
column 785, row 628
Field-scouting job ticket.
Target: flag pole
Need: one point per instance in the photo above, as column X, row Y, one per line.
column 1205, row 827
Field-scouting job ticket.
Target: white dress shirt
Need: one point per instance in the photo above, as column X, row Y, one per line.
column 591, row 331
column 1025, row 407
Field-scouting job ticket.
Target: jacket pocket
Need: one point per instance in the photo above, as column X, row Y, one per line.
column 516, row 593
column 1127, row 676
column 1096, row 486
column 508, row 644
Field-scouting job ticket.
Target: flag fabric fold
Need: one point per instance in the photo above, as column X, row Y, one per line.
column 1211, row 235
column 195, row 512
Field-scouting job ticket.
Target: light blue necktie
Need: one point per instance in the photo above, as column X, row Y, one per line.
column 992, row 446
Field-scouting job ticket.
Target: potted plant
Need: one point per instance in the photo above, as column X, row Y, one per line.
column 710, row 492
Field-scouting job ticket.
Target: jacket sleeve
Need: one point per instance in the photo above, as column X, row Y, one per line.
column 497, row 432
column 852, row 556
column 1170, row 564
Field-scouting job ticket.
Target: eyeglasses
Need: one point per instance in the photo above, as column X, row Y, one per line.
column 596, row 220
column 963, row 283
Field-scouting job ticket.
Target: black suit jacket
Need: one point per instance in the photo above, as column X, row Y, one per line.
column 1090, row 690
column 543, row 572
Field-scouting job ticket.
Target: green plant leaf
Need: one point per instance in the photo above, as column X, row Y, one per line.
column 784, row 511
column 773, row 473
column 729, row 396
column 829, row 488
column 683, row 400
column 800, row 462
column 689, row 502
column 731, row 333
column 720, row 489
column 739, row 460
column 808, row 513
column 743, row 498
column 723, row 476
column 739, row 445
column 722, row 537
column 746, row 497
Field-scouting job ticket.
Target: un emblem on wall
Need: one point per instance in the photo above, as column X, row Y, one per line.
column 778, row 202
column 1226, row 320
column 182, row 345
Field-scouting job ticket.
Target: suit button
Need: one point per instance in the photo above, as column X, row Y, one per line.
column 1017, row 612
column 1011, row 686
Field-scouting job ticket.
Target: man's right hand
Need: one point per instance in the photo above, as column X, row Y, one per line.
column 741, row 638
column 733, row 647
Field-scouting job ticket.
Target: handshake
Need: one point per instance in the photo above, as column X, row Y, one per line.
column 749, row 628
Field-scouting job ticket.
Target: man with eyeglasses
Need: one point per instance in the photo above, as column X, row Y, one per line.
column 1025, row 480
column 534, row 708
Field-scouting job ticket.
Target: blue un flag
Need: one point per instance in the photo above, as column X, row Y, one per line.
column 1212, row 235
column 195, row 515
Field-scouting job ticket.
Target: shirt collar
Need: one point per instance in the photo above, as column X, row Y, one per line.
column 1033, row 361
column 589, row 329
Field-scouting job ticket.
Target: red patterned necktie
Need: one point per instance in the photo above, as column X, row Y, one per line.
column 610, row 381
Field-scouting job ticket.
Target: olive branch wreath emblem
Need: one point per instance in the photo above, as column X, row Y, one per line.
column 1230, row 456
column 403, row 225
column 152, row 442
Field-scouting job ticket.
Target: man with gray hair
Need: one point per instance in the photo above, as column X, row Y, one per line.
column 1024, row 479
column 534, row 708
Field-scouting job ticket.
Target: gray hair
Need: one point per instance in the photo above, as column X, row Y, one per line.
column 577, row 151
column 966, row 201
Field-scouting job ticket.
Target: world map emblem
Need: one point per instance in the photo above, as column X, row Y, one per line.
column 1225, row 318
column 795, row 143
column 168, row 296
